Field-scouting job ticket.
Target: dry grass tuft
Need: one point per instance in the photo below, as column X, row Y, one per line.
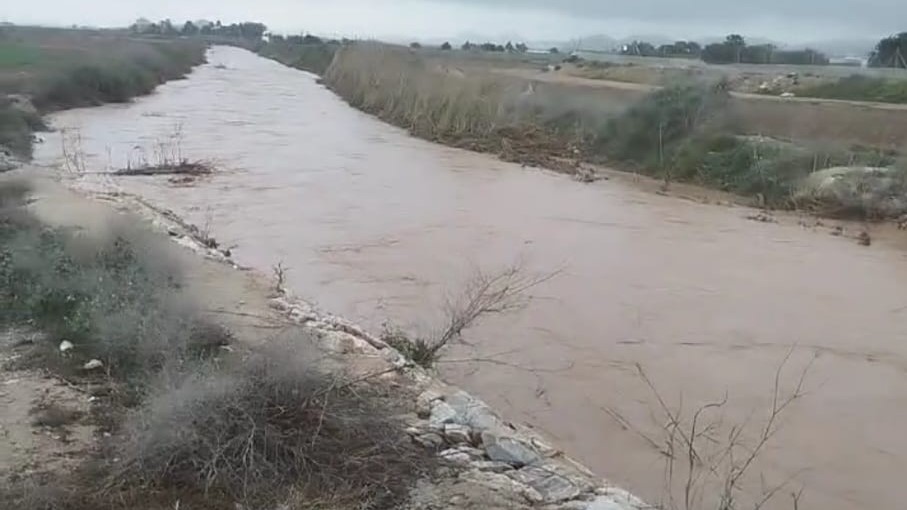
column 273, row 424
column 54, row 415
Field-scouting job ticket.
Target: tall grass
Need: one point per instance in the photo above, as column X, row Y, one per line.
column 860, row 88
column 438, row 101
column 61, row 69
column 119, row 81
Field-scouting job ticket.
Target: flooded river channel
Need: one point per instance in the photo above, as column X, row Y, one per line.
column 378, row 226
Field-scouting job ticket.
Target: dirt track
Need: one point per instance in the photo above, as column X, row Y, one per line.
column 826, row 121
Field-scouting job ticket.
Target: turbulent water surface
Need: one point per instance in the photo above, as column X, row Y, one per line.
column 376, row 225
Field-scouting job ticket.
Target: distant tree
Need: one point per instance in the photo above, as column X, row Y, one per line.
column 640, row 48
column 554, row 50
column 468, row 46
column 728, row 52
column 737, row 43
column 167, row 28
column 735, row 40
column 890, row 52
column 252, row 30
column 415, row 45
column 446, row 46
column 680, row 48
column 522, row 48
column 758, row 54
column 734, row 50
column 311, row 39
column 189, row 28
column 490, row 46
column 509, row 47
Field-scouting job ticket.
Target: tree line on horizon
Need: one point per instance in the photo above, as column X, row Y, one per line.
column 245, row 30
column 889, row 52
column 733, row 50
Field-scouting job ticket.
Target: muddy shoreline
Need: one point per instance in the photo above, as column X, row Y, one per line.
column 490, row 463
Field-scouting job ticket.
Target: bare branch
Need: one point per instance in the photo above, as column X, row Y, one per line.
column 707, row 462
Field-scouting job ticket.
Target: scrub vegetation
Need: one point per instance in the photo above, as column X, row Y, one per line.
column 45, row 69
column 190, row 416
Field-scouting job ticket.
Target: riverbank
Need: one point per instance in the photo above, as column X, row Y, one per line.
column 43, row 70
column 684, row 133
column 379, row 226
column 402, row 440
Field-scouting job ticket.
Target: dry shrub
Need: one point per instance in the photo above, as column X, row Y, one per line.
column 484, row 293
column 711, row 461
column 115, row 294
column 54, row 415
column 274, row 427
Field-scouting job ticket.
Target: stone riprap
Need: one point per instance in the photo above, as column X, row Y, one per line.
column 487, row 463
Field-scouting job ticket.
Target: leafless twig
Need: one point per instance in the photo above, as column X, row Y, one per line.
column 708, row 462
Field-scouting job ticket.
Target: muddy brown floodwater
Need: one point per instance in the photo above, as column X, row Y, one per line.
column 377, row 225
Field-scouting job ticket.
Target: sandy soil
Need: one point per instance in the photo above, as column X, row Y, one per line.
column 46, row 424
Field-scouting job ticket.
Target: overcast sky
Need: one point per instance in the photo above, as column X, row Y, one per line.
column 784, row 20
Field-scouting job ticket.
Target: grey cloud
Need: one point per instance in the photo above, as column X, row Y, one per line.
column 881, row 15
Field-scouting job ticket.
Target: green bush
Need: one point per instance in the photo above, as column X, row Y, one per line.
column 117, row 300
column 16, row 127
column 649, row 131
column 766, row 168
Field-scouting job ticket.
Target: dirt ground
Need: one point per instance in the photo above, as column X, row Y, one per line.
column 45, row 423
column 824, row 121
